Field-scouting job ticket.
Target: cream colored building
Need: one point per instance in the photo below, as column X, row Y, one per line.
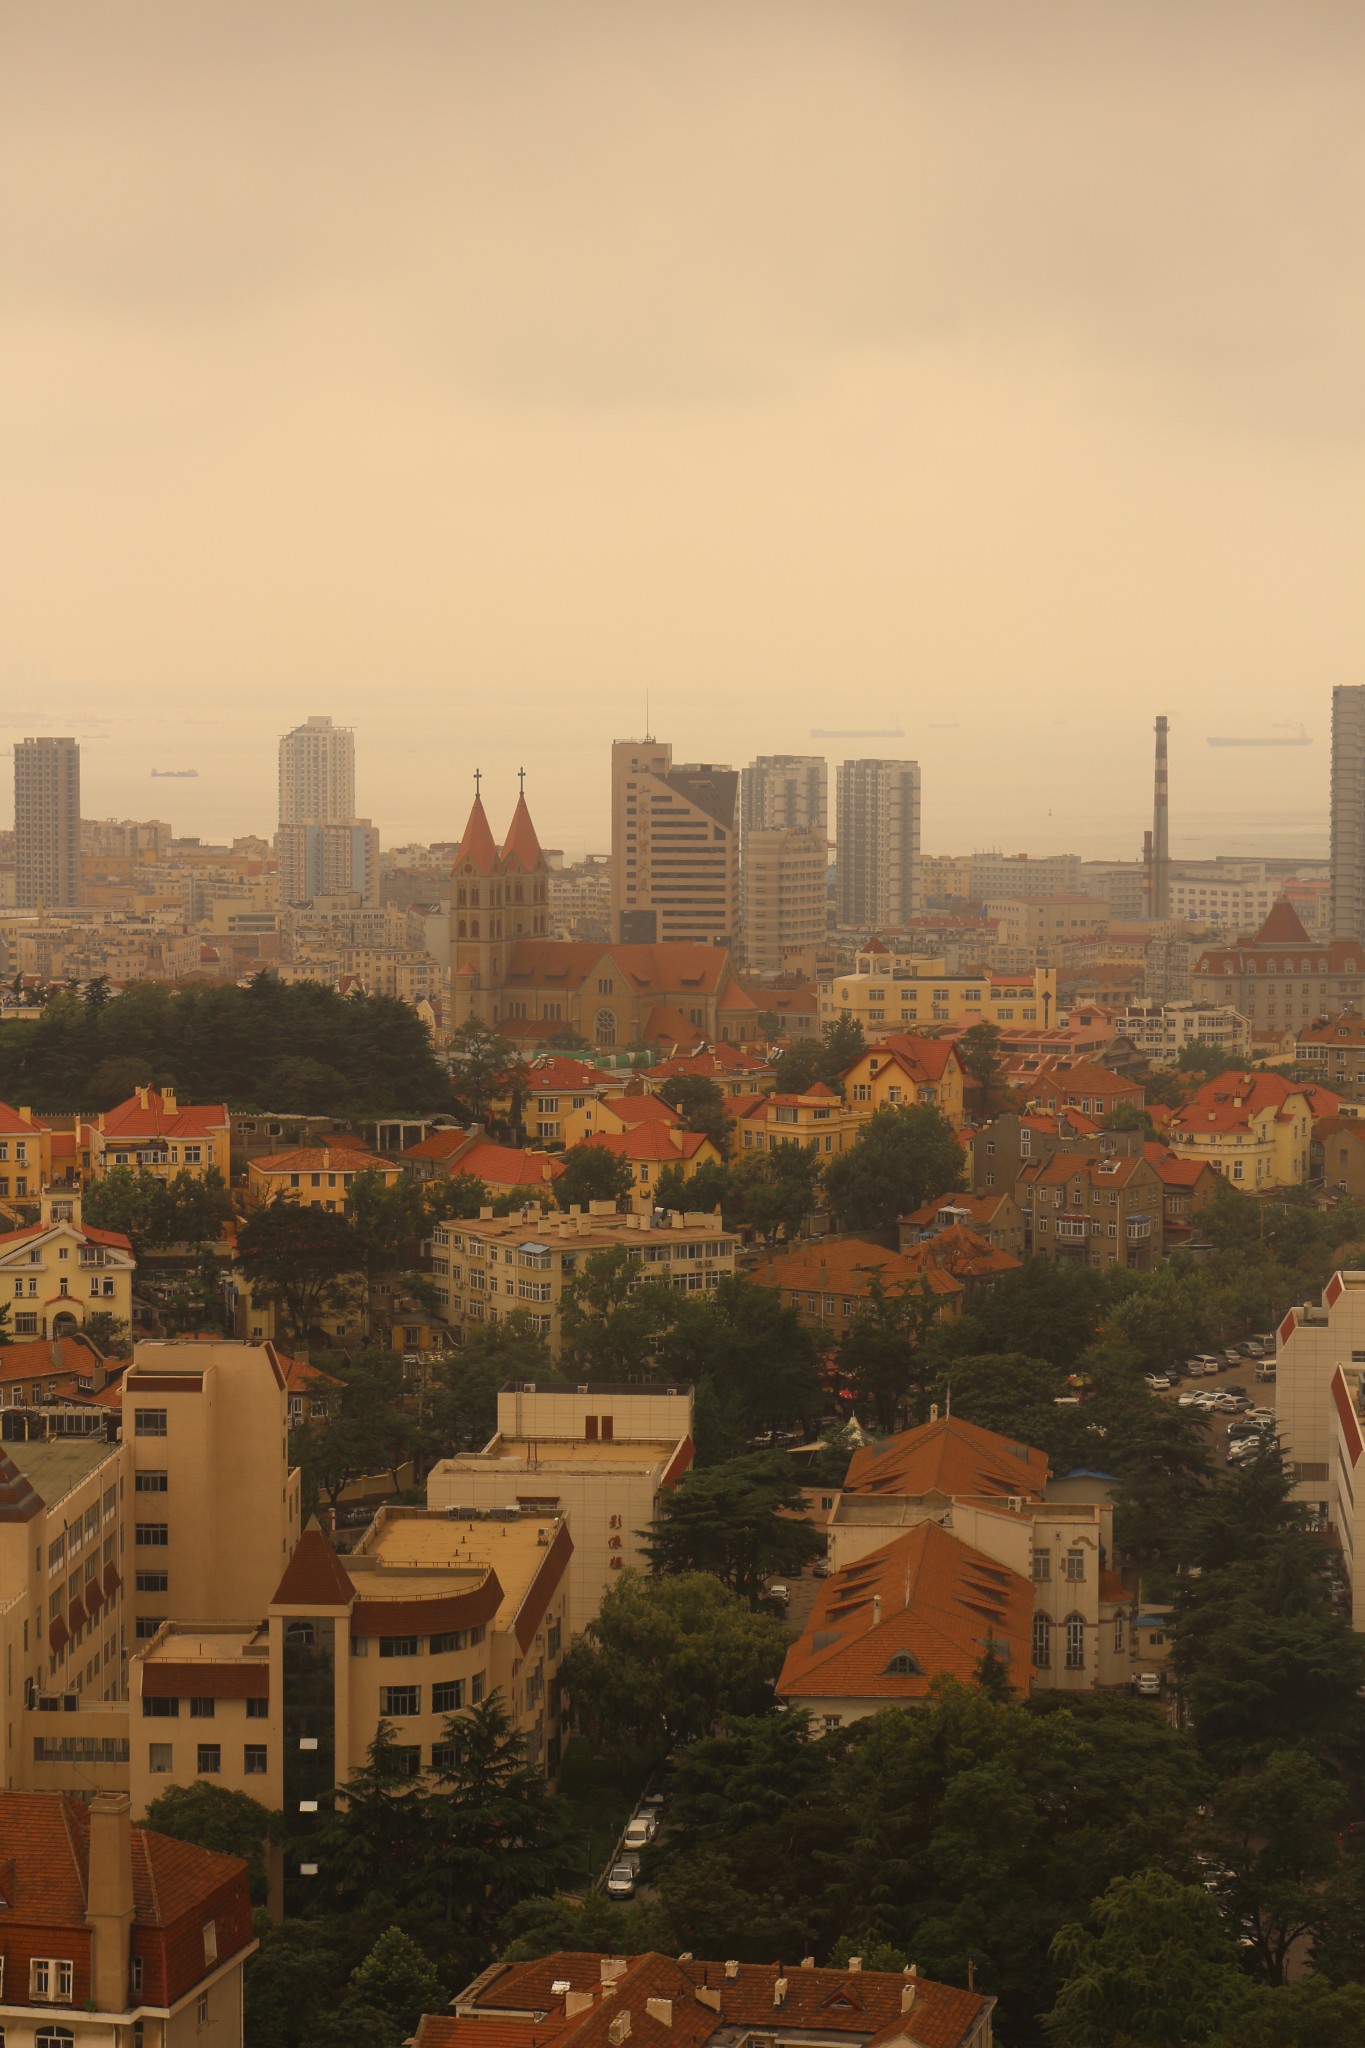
column 1040, row 925
column 1255, row 1128
column 429, row 1615
column 152, row 1132
column 486, row 1270
column 57, row 1272
column 213, row 1505
column 674, row 847
column 901, row 1071
column 1313, row 1339
column 315, row 1176
column 783, row 897
column 1161, row 1031
column 908, row 994
column 599, row 1455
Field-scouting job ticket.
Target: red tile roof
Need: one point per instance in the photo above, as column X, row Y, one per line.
column 521, row 847
column 557, row 1072
column 1229, row 1101
column 927, row 1059
column 846, row 1265
column 324, row 1159
column 981, row 1208
column 314, row 1576
column 666, row 970
column 866, row 2006
column 641, row 1109
column 12, row 1125
column 651, row 1141
column 152, row 1119
column 923, row 1607
column 45, row 1357
column 477, row 848
column 951, row 1457
column 1175, row 1171
column 503, row 1166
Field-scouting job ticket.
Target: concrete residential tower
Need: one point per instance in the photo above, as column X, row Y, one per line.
column 878, row 836
column 47, row 822
column 1348, row 812
column 317, row 773
column 783, row 856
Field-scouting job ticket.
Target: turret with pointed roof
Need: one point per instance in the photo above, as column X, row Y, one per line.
column 496, row 899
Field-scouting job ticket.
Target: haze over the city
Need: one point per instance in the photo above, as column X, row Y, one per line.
column 466, row 373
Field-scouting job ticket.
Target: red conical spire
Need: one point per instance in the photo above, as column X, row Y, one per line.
column 476, row 841
column 522, row 844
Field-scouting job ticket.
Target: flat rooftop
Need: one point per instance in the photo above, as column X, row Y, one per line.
column 415, row 1552
column 224, row 1643
column 542, row 1453
column 55, row 1467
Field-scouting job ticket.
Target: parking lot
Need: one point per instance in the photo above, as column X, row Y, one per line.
column 1259, row 1394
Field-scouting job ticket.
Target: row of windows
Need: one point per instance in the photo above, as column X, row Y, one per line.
column 411, row 1646
column 208, row 1759
column 402, row 1702
column 201, row 1708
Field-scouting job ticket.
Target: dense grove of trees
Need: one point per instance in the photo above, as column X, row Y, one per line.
column 299, row 1049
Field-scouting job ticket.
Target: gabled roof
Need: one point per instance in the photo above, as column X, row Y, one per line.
column 641, row 1109
column 1229, row 1101
column 323, row 1159
column 925, row 1606
column 114, row 1240
column 150, row 1118
column 1175, row 1171
column 1110, row 1170
column 951, row 1457
column 652, row 1142
column 504, row 1166
column 926, row 1059
column 964, row 1254
column 314, row 1575
column 980, row 1208
column 669, row 969
column 561, row 1072
column 12, row 1125
column 477, row 847
column 1283, row 926
column 847, row 1265
column 522, row 848
column 42, row 1358
column 18, row 1501
column 714, row 1062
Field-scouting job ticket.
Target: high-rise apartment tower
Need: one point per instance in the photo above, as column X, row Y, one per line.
column 317, row 773
column 47, row 822
column 878, row 839
column 674, row 848
column 1348, row 811
column 783, row 860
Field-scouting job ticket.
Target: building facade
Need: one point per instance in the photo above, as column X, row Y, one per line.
column 1332, row 1049
column 47, row 823
column 317, row 773
column 783, row 897
column 674, row 848
column 878, row 843
column 57, row 1273
column 1347, row 913
column 338, row 857
column 1160, row 1032
column 154, row 1133
column 1281, row 979
column 1255, row 1128
column 889, row 993
column 1092, row 1212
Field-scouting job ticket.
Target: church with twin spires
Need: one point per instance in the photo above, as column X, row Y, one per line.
column 506, row 971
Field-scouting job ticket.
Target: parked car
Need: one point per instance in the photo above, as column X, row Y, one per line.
column 1265, row 1375
column 1159, row 1382
column 1148, row 1684
column 641, row 1829
column 1260, row 1415
column 821, row 1569
column 1190, row 1400
column 621, row 1881
column 1209, row 1361
column 1232, row 1355
column 1235, row 1387
column 780, row 1594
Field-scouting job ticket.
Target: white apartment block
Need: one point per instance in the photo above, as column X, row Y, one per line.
column 878, row 843
column 1161, row 1031
column 317, row 773
column 1313, row 1340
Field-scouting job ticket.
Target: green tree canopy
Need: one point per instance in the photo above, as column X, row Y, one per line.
column 298, row 1258
column 592, row 1174
column 740, row 1521
column 212, row 1817
column 906, row 1155
column 701, row 1105
column 1155, row 1969
column 665, row 1659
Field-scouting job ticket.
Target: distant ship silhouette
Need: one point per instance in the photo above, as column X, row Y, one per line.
column 176, row 772
column 880, row 732
column 1295, row 739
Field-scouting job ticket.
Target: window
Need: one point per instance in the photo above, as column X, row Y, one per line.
column 449, row 1698
column 1075, row 1566
column 1042, row 1641
column 159, row 1759
column 150, row 1482
column 1118, row 1632
column 1075, row 1642
column 398, row 1646
column 476, row 1687
column 201, row 2010
column 147, row 1626
column 54, row 2037
column 201, row 1708
column 253, row 1758
column 154, row 1709
column 408, row 1761
column 153, row 1535
column 210, row 1943
column 49, row 1977
column 153, row 1582
column 149, row 1422
column 400, row 1700
column 210, row 1759
column 454, row 1639
column 258, row 1710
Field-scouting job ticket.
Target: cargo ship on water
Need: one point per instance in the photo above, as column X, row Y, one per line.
column 1289, row 739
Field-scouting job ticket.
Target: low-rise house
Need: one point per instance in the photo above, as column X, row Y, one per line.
column 1161, row 1031
column 617, row 1112
column 904, row 1070
column 817, row 1120
column 601, row 1456
column 651, row 1148
column 831, row 1282
column 1083, row 1211
column 922, row 1607
column 310, row 1392
column 1332, row 1049
column 1337, row 1156
column 151, row 1132
column 25, row 1155
column 315, row 1176
column 579, row 2000
column 734, row 1069
column 993, row 1216
column 58, row 1272
column 492, row 1267
column 1187, row 1186
column 61, row 1373
column 1254, row 1128
column 553, row 1087
column 113, row 1933
column 503, row 1169
column 1058, row 1086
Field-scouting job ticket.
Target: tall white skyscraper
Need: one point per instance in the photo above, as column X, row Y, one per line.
column 784, row 856
column 47, row 823
column 1348, row 811
column 317, row 774
column 878, row 842
column 784, row 793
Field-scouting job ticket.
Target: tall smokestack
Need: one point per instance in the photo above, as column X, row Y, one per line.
column 1161, row 830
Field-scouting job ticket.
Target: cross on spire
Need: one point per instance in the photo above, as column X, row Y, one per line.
column 521, row 780
column 478, row 777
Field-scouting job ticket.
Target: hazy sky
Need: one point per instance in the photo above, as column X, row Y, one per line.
column 466, row 371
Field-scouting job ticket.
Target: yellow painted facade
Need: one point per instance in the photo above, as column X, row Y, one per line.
column 907, row 994
column 900, row 1074
column 56, row 1274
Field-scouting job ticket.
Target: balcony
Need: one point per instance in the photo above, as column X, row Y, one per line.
column 1139, row 1227
column 1073, row 1226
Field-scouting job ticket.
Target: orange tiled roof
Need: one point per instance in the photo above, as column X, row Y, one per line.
column 666, row 969
column 981, row 1208
column 135, row 1119
column 557, row 1072
column 652, row 1141
column 846, row 1265
column 1231, row 1100
column 115, row 1239
column 949, row 1456
column 323, row 1159
column 476, row 841
column 714, row 1062
column 641, row 1109
column 522, row 846
column 12, row 1125
column 927, row 1059
column 1113, row 1171
column 42, row 1358
column 503, row 1166
column 1175, row 1171
column 1346, row 1029
column 867, row 2006
column 963, row 1253
column 923, row 1607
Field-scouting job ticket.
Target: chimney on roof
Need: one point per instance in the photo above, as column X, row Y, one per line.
column 907, row 1997
column 109, row 1899
column 732, row 1969
column 855, row 1963
column 660, row 2009
column 876, row 1610
column 576, row 2002
column 780, row 1991
column 808, row 1962
column 168, row 1101
column 706, row 1995
column 142, row 1098
column 612, row 1968
column 619, row 2029
column 26, row 1116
